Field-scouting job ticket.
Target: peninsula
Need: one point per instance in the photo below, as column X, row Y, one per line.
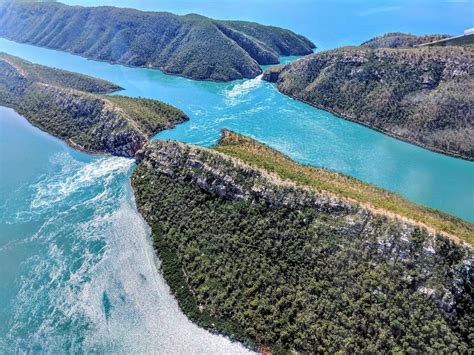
column 423, row 95
column 193, row 46
column 401, row 40
column 73, row 107
column 285, row 257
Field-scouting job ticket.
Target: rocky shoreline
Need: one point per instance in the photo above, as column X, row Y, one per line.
column 73, row 107
column 419, row 95
column 171, row 175
column 272, row 77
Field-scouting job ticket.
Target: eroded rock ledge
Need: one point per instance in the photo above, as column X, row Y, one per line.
column 73, row 107
column 420, row 95
column 230, row 179
column 254, row 256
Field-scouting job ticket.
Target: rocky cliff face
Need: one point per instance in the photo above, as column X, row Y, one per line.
column 261, row 255
column 68, row 106
column 194, row 46
column 88, row 122
column 231, row 180
column 421, row 95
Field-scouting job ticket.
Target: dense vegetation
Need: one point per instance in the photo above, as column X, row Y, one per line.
column 320, row 179
column 194, row 46
column 279, row 266
column 422, row 95
column 71, row 106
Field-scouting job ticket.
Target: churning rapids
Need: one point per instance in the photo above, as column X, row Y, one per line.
column 78, row 272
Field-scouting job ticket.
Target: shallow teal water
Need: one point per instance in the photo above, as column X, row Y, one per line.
column 77, row 271
column 306, row 134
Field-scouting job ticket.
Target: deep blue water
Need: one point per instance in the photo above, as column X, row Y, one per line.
column 77, row 270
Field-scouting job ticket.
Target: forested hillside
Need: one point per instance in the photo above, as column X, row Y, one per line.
column 279, row 256
column 421, row 95
column 194, row 46
column 71, row 106
column 400, row 40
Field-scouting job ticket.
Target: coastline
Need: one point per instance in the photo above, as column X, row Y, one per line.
column 137, row 66
column 76, row 146
column 161, row 261
column 68, row 142
column 164, row 300
column 175, row 277
column 162, row 70
column 380, row 130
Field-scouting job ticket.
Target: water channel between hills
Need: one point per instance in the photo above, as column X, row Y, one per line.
column 78, row 270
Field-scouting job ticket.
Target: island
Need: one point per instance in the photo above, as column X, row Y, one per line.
column 286, row 257
column 420, row 94
column 193, row 46
column 74, row 108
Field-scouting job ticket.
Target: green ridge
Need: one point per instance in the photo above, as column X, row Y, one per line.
column 193, row 46
column 285, row 269
column 73, row 107
column 423, row 95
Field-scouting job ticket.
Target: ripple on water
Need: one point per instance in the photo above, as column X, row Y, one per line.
column 239, row 92
column 93, row 283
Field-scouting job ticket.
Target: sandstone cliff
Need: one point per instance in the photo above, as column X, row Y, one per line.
column 422, row 95
column 279, row 264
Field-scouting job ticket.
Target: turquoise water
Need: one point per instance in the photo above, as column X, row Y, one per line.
column 77, row 270
column 308, row 135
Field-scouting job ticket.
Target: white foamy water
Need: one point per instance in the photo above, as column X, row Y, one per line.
column 93, row 283
column 239, row 92
column 74, row 176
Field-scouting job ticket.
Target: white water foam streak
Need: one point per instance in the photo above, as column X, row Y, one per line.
column 239, row 92
column 94, row 284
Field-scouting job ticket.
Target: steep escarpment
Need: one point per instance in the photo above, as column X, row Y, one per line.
column 194, row 46
column 421, row 95
column 72, row 107
column 270, row 255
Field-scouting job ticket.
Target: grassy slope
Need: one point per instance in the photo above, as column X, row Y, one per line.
column 150, row 115
column 72, row 107
column 261, row 156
